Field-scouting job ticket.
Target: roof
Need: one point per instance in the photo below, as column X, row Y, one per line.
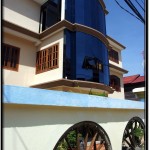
column 113, row 40
column 133, row 79
column 139, row 79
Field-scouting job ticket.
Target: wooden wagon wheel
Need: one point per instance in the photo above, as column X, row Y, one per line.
column 133, row 137
column 84, row 136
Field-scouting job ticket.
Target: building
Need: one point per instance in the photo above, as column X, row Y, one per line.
column 42, row 53
column 134, row 87
column 58, row 64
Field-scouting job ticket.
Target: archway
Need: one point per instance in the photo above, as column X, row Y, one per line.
column 84, row 135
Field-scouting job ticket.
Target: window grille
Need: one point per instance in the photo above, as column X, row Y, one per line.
column 47, row 59
column 10, row 57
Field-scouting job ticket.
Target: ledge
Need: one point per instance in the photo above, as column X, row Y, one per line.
column 118, row 68
column 33, row 96
column 73, row 85
column 64, row 24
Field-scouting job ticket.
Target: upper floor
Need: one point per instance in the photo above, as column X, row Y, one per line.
column 33, row 14
column 37, row 56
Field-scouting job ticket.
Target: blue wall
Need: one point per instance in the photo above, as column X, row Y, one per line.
column 79, row 45
column 34, row 96
column 86, row 12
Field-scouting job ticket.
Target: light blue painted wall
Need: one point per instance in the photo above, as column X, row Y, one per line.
column 34, row 96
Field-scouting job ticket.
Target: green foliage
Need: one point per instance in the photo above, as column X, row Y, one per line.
column 72, row 138
column 98, row 94
column 139, row 132
column 62, row 145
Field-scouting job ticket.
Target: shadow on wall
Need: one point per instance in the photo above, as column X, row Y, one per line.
column 27, row 50
column 20, row 139
column 31, row 11
column 29, row 115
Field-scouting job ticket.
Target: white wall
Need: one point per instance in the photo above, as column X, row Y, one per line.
column 26, row 70
column 63, row 9
column 57, row 73
column 28, row 127
column 116, row 94
column 25, row 13
column 26, row 75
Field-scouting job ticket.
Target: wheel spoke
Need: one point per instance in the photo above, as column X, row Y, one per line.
column 68, row 143
column 128, row 143
column 92, row 142
column 86, row 139
column 130, row 138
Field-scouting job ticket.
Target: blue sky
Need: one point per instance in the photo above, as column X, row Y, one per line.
column 128, row 31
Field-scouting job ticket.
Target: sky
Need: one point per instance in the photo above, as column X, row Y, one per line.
column 128, row 31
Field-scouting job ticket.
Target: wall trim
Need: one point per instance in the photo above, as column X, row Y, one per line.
column 60, row 25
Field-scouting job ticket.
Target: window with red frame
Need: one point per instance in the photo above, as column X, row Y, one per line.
column 115, row 82
column 47, row 59
column 113, row 56
column 10, row 57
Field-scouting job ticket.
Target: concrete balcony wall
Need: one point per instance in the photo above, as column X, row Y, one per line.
column 120, row 94
column 25, row 13
column 36, row 119
column 53, row 74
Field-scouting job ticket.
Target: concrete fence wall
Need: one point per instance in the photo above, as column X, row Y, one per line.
column 35, row 119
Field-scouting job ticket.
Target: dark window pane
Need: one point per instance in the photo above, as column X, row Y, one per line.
column 10, row 57
column 50, row 13
column 115, row 82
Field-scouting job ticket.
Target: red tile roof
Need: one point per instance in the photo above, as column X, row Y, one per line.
column 139, row 79
column 130, row 79
column 133, row 79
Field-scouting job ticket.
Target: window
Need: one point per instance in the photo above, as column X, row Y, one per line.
column 50, row 14
column 95, row 64
column 113, row 56
column 115, row 82
column 10, row 57
column 47, row 59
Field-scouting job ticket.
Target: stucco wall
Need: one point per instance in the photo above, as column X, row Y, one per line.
column 26, row 70
column 25, row 13
column 28, row 127
column 26, row 75
column 116, row 94
column 57, row 73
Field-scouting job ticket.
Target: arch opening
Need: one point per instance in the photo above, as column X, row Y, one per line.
column 84, row 135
